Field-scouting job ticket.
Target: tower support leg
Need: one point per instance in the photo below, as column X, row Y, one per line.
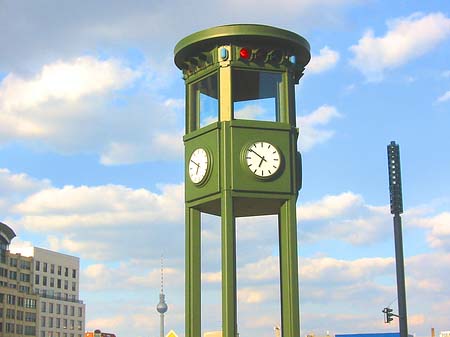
column 287, row 226
column 229, row 306
column 193, row 273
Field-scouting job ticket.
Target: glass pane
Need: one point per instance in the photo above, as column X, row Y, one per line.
column 206, row 98
column 256, row 95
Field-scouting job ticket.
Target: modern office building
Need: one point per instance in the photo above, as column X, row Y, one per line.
column 56, row 281
column 39, row 295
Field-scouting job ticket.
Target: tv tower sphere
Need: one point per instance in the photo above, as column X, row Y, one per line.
column 162, row 306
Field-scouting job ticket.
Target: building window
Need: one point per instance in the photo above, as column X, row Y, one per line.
column 30, row 331
column 50, row 322
column 58, row 308
column 74, row 273
column 30, row 303
column 52, row 282
column 19, row 329
column 11, row 299
column 44, row 306
column 44, row 280
column 36, row 279
column 80, row 312
column 25, row 265
column 13, row 262
column 43, row 321
column 45, row 267
column 72, row 324
column 50, row 308
column 24, row 277
column 74, row 286
column 65, row 324
column 72, row 310
column 66, row 285
column 52, row 268
column 59, row 284
column 58, row 323
column 20, row 301
column 13, row 275
column 19, row 315
column 9, row 327
column 59, row 270
column 38, row 265
column 42, row 333
column 65, row 311
column 66, row 272
column 30, row 317
column 80, row 325
column 10, row 313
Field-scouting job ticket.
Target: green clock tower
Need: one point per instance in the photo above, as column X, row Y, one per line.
column 241, row 156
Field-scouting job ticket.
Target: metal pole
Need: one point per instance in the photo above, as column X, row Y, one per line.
column 401, row 288
column 395, row 190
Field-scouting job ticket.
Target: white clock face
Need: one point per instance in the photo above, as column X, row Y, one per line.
column 263, row 159
column 198, row 165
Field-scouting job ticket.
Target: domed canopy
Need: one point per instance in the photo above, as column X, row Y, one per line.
column 6, row 233
column 236, row 33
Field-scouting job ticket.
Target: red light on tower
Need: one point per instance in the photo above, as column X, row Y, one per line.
column 244, row 53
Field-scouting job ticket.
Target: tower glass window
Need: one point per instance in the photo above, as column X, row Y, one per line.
column 257, row 95
column 204, row 97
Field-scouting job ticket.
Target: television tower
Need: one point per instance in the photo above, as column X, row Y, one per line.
column 162, row 306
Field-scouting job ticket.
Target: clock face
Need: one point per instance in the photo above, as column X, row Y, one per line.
column 198, row 166
column 263, row 159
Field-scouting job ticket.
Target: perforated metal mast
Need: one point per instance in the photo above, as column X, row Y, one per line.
column 395, row 190
column 162, row 306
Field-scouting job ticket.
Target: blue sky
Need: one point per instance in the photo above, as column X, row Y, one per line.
column 91, row 158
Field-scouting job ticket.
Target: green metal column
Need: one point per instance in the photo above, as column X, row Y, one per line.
column 229, row 305
column 193, row 273
column 287, row 221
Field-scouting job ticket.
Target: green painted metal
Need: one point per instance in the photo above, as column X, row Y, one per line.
column 258, row 34
column 212, row 69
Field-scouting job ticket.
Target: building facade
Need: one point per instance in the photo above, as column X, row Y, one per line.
column 56, row 281
column 39, row 295
column 18, row 303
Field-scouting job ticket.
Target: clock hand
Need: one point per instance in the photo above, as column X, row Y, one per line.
column 262, row 157
column 198, row 165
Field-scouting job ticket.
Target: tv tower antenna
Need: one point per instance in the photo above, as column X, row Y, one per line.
column 162, row 306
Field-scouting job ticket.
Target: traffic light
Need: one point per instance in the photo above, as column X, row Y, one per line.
column 264, row 55
column 388, row 315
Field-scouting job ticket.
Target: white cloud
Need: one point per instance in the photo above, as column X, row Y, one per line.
column 310, row 134
column 109, row 205
column 24, row 248
column 15, row 187
column 113, row 212
column 406, row 39
column 20, row 183
column 129, row 275
column 315, row 270
column 346, row 217
column 439, row 229
column 67, row 81
column 444, row 98
column 78, row 106
column 326, row 60
column 250, row 111
column 112, row 322
column 329, row 206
